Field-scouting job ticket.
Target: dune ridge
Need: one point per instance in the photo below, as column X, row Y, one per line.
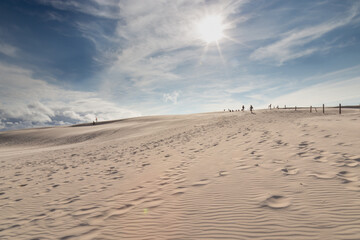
column 276, row 174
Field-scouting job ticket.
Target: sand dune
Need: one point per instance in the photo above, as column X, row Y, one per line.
column 276, row 174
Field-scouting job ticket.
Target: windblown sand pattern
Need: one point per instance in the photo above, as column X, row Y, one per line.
column 276, row 174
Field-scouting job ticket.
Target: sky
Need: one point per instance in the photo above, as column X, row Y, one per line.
column 65, row 61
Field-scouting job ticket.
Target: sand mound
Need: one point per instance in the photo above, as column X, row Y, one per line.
column 200, row 176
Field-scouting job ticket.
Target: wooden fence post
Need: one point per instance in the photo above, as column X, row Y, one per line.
column 339, row 108
column 323, row 108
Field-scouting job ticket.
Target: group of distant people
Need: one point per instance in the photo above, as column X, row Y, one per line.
column 242, row 109
column 277, row 107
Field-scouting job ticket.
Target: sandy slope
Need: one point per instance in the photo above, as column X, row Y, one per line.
column 278, row 174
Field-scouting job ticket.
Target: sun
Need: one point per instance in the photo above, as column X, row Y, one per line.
column 210, row 29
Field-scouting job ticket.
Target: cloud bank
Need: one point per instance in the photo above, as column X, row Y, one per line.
column 29, row 102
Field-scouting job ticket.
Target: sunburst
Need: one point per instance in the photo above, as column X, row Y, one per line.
column 211, row 29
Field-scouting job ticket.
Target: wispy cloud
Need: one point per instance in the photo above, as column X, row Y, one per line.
column 334, row 76
column 97, row 8
column 294, row 43
column 339, row 87
column 171, row 97
column 8, row 49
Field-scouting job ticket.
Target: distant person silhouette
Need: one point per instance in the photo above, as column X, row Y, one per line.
column 242, row 108
column 251, row 108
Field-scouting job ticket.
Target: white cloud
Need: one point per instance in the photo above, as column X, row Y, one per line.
column 53, row 16
column 171, row 97
column 34, row 102
column 293, row 44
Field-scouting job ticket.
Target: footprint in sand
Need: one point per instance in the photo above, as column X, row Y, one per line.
column 346, row 145
column 320, row 159
column 278, row 161
column 338, row 163
column 355, row 158
column 322, row 175
column 68, row 200
column 280, row 142
column 304, row 154
column 179, row 191
column 303, row 145
column 118, row 212
column 347, row 176
column 202, row 182
column 163, row 183
column 243, row 167
column 341, row 163
column 179, row 180
column 85, row 211
column 222, row 173
column 276, row 202
column 351, row 164
column 153, row 203
column 351, row 161
column 137, row 201
column 289, row 170
column 136, row 189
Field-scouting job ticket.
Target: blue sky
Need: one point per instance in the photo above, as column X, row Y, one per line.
column 64, row 62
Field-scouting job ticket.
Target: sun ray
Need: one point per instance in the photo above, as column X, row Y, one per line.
column 220, row 53
column 236, row 41
column 211, row 30
column 203, row 53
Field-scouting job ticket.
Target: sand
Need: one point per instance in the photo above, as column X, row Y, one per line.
column 276, row 174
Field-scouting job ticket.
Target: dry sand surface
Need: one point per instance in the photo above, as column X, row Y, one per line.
column 276, row 174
